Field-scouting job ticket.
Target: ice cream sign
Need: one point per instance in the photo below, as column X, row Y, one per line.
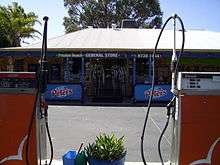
column 161, row 92
column 61, row 91
column 158, row 92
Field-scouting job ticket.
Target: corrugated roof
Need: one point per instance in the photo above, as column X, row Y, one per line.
column 129, row 40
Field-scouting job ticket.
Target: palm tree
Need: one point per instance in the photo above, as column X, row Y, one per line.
column 15, row 25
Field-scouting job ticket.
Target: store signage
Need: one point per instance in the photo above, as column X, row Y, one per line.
column 68, row 55
column 161, row 92
column 112, row 55
column 102, row 55
column 147, row 55
column 63, row 92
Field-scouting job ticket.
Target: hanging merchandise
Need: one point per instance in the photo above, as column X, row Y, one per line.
column 94, row 79
column 66, row 70
column 115, row 79
column 98, row 78
column 122, row 79
column 100, row 74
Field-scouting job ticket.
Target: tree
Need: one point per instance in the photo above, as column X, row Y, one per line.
column 16, row 25
column 104, row 13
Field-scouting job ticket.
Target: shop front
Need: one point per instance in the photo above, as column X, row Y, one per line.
column 100, row 77
column 98, row 65
column 90, row 77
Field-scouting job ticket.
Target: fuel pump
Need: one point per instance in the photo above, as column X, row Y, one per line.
column 194, row 111
column 174, row 70
column 23, row 121
column 196, row 131
column 17, row 101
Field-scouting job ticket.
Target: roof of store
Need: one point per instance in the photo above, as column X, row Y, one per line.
column 100, row 39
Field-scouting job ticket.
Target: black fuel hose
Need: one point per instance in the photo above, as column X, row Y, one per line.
column 169, row 113
column 41, row 87
column 173, row 99
column 38, row 95
column 152, row 91
column 43, row 84
column 160, row 139
column 49, row 137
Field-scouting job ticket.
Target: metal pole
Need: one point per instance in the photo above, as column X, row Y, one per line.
column 174, row 58
column 150, row 68
column 134, row 78
column 82, row 77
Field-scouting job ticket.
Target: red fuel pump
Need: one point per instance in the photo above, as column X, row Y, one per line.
column 196, row 131
column 23, row 116
column 17, row 104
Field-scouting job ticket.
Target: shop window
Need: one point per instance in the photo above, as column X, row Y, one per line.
column 162, row 75
column 142, row 70
column 72, row 68
column 19, row 65
column 162, row 71
column 55, row 73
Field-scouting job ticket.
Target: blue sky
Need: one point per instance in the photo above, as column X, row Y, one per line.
column 196, row 14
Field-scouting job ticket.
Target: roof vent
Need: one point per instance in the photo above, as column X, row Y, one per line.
column 129, row 23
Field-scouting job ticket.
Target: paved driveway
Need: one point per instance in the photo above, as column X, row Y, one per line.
column 72, row 125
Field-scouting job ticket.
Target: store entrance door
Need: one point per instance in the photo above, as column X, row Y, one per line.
column 107, row 80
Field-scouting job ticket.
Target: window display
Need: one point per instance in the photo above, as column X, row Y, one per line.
column 55, row 73
column 72, row 67
column 107, row 78
column 142, row 70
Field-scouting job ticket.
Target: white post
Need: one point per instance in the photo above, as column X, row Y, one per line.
column 174, row 57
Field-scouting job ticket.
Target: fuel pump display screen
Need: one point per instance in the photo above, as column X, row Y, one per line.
column 17, row 80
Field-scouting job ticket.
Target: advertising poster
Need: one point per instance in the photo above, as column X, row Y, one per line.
column 161, row 92
column 63, row 92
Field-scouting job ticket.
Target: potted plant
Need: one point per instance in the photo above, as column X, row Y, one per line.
column 106, row 150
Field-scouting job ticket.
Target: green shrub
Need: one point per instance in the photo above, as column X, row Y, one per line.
column 106, row 147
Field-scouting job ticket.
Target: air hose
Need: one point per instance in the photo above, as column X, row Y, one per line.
column 41, row 88
column 153, row 82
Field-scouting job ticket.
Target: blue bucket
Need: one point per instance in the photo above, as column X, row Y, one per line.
column 69, row 158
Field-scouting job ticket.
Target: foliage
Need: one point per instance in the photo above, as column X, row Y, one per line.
column 15, row 25
column 104, row 13
column 106, row 147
